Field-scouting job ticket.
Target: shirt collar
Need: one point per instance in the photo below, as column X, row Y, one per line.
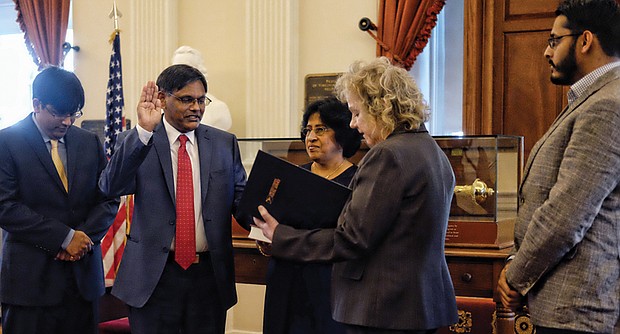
column 46, row 138
column 579, row 87
column 173, row 134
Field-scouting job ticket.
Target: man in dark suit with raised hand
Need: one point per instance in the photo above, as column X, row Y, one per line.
column 53, row 213
column 177, row 272
column 566, row 258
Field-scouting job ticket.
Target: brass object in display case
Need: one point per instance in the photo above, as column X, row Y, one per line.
column 478, row 190
column 487, row 171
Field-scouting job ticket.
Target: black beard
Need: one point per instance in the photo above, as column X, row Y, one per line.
column 566, row 69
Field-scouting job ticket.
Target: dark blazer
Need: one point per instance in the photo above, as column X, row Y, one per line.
column 567, row 234
column 146, row 171
column 390, row 239
column 36, row 213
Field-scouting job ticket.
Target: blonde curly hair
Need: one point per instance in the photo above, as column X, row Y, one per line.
column 389, row 94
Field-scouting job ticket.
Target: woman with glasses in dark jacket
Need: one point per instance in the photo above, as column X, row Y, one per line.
column 298, row 294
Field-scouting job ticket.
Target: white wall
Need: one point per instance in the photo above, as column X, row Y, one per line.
column 328, row 41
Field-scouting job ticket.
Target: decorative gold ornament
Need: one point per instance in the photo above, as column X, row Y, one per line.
column 464, row 324
column 478, row 190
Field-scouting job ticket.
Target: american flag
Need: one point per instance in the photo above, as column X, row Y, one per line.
column 113, row 244
column 114, row 98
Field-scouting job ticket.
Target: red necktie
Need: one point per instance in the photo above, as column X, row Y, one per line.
column 185, row 244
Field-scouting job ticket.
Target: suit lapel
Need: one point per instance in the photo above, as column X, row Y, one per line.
column 72, row 146
column 542, row 140
column 162, row 146
column 613, row 74
column 205, row 152
column 35, row 141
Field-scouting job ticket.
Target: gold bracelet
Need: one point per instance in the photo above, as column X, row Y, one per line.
column 260, row 249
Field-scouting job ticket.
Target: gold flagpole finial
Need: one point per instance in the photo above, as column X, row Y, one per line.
column 115, row 13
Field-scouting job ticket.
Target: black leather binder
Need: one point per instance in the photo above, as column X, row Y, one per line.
column 293, row 195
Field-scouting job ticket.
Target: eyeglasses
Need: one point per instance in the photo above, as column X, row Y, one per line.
column 188, row 100
column 62, row 117
column 319, row 130
column 553, row 41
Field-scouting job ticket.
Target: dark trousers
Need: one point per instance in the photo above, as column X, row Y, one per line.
column 184, row 302
column 73, row 316
column 546, row 330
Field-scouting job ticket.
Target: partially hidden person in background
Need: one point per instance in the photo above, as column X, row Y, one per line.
column 297, row 299
column 390, row 273
column 565, row 264
column 177, row 272
column 53, row 214
column 216, row 113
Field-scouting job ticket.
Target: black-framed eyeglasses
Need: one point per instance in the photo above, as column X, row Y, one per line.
column 319, row 130
column 188, row 100
column 60, row 117
column 553, row 41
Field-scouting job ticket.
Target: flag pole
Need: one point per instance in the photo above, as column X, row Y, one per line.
column 114, row 14
column 113, row 244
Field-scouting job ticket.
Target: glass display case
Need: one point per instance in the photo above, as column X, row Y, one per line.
column 487, row 171
column 484, row 206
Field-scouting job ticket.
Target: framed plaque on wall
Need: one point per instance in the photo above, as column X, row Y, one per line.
column 318, row 86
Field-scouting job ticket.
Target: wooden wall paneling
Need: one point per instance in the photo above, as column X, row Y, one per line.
column 529, row 100
column 478, row 67
column 516, row 9
column 472, row 66
column 505, row 73
column 520, row 74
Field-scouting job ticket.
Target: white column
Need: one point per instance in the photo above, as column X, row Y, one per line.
column 272, row 57
column 153, row 30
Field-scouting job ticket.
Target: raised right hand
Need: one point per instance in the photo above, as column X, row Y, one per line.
column 149, row 107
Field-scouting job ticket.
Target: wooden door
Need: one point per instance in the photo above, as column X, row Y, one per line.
column 507, row 88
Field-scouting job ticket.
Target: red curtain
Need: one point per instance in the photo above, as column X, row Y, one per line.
column 405, row 27
column 44, row 23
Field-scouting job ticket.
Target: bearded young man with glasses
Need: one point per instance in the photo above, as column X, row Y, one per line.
column 53, row 214
column 566, row 261
column 177, row 272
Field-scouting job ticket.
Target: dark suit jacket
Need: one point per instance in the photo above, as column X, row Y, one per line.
column 390, row 239
column 146, row 171
column 36, row 212
column 567, row 235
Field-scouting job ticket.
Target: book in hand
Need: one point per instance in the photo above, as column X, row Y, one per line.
column 257, row 234
column 293, row 195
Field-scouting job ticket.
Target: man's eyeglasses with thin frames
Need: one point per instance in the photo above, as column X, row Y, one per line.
column 61, row 117
column 188, row 100
column 553, row 41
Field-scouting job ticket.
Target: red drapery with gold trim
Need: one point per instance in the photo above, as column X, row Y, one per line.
column 44, row 23
column 405, row 27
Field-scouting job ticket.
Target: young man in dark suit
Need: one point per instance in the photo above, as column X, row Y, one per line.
column 178, row 210
column 53, row 214
column 566, row 258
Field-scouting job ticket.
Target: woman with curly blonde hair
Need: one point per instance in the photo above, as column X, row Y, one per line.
column 392, row 96
column 390, row 273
